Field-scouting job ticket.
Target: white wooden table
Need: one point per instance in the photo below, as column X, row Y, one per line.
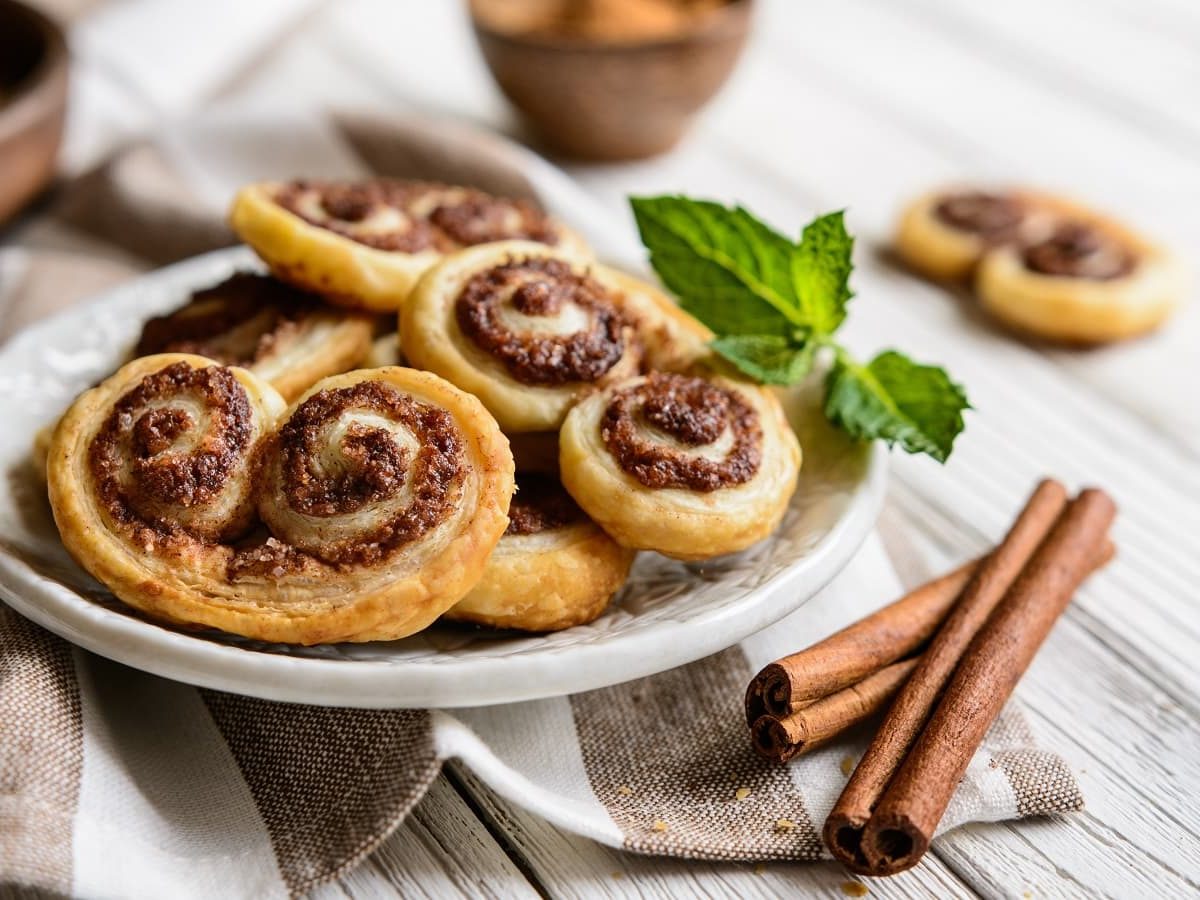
column 858, row 104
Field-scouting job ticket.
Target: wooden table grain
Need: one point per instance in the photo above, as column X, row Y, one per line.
column 858, row 104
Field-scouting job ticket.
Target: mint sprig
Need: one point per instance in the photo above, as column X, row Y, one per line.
column 774, row 304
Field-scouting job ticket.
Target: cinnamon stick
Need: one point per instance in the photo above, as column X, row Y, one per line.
column 856, row 652
column 815, row 724
column 908, row 714
column 903, row 823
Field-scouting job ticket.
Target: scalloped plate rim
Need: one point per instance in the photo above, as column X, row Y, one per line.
column 395, row 683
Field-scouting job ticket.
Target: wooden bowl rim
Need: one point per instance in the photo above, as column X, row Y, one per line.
column 730, row 20
column 28, row 102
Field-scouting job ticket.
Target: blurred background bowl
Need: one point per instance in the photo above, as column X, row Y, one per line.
column 33, row 103
column 608, row 97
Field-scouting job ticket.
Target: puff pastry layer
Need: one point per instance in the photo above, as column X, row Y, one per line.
column 524, row 327
column 553, row 569
column 1089, row 281
column 691, row 467
column 382, row 491
column 277, row 332
column 364, row 244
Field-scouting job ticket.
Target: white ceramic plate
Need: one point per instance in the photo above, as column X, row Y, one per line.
column 670, row 613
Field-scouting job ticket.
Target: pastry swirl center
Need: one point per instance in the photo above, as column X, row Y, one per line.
column 546, row 323
column 995, row 217
column 169, row 449
column 1076, row 250
column 675, row 431
column 366, row 469
column 412, row 216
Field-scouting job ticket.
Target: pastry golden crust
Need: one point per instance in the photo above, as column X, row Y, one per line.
column 553, row 569
column 1089, row 281
column 277, row 332
column 691, row 467
column 673, row 339
column 385, row 351
column 384, row 491
column 365, row 244
column 944, row 233
column 523, row 327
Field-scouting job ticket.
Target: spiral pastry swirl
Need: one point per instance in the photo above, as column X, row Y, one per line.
column 1085, row 279
column 690, row 466
column 365, row 243
column 553, row 569
column 277, row 332
column 521, row 326
column 361, row 513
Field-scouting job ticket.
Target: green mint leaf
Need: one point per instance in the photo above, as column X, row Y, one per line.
column 729, row 270
column 767, row 358
column 897, row 400
column 821, row 266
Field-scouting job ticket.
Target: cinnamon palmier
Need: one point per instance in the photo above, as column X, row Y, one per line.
column 691, row 467
column 1089, row 280
column 553, row 569
column 524, row 327
column 383, row 491
column 364, row 244
column 944, row 233
column 279, row 333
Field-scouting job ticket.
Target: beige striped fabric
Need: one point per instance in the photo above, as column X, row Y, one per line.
column 116, row 783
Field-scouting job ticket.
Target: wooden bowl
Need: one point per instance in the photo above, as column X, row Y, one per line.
column 33, row 103
column 609, row 100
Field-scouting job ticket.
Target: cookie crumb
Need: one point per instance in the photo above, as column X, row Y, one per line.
column 625, row 790
column 660, row 825
column 741, row 793
column 785, row 825
column 759, row 868
column 854, row 889
column 847, row 767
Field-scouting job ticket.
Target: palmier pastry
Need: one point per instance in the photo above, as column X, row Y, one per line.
column 691, row 467
column 383, row 490
column 945, row 233
column 277, row 332
column 364, row 244
column 673, row 340
column 553, row 569
column 1089, row 280
column 523, row 327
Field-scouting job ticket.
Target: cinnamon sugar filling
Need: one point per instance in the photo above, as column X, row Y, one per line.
column 1076, row 250
column 994, row 217
column 536, row 288
column 373, row 467
column 140, row 437
column 694, row 413
column 239, row 322
column 412, row 216
column 540, row 504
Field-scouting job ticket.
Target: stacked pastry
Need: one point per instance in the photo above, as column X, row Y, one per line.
column 235, row 474
column 1043, row 265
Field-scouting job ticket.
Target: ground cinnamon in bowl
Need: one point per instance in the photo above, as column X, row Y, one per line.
column 608, row 21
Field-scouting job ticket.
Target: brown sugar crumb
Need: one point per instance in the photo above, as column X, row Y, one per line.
column 847, row 765
column 540, row 504
column 694, row 412
column 542, row 287
column 854, row 889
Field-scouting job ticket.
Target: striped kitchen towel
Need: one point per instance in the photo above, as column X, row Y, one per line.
column 118, row 783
